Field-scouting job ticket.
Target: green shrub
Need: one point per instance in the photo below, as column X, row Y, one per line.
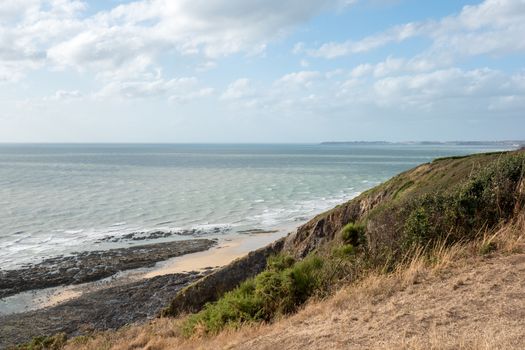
column 232, row 310
column 280, row 262
column 488, row 197
column 275, row 290
column 278, row 290
column 354, row 234
column 305, row 275
column 344, row 251
column 487, row 248
column 417, row 227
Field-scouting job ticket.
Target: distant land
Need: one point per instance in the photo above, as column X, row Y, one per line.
column 507, row 143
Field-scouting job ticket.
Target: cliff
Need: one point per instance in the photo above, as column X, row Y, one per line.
column 448, row 198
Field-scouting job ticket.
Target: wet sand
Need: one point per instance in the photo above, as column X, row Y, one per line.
column 222, row 254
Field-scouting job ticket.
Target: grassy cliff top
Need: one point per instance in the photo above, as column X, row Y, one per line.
column 483, row 188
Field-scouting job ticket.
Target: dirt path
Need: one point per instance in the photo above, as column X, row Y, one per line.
column 481, row 306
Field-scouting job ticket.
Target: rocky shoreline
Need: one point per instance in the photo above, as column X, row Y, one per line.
column 131, row 302
column 121, row 302
column 109, row 308
column 93, row 265
column 156, row 234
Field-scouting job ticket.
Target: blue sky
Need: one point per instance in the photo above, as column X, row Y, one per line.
column 261, row 70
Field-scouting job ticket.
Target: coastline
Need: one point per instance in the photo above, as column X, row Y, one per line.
column 90, row 266
column 188, row 259
column 129, row 297
column 104, row 309
column 222, row 254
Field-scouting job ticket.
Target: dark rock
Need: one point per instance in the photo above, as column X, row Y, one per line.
column 109, row 308
column 150, row 235
column 257, row 231
column 91, row 266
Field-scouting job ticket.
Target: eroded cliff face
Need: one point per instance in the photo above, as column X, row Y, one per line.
column 214, row 285
column 324, row 227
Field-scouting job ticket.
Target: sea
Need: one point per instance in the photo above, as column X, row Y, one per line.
column 56, row 199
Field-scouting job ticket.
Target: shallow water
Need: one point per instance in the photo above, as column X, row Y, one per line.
column 57, row 199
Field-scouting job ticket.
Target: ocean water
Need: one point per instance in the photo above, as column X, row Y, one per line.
column 57, row 199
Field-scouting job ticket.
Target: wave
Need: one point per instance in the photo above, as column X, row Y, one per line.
column 299, row 211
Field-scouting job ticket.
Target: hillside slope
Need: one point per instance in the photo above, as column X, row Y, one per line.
column 435, row 198
column 462, row 300
column 473, row 307
column 479, row 180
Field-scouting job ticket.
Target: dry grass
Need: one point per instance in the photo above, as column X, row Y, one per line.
column 458, row 297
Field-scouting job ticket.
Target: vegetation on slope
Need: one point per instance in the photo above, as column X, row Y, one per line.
column 448, row 201
column 455, row 296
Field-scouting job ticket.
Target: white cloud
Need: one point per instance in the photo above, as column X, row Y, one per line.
column 299, row 79
column 103, row 49
column 239, row 89
column 61, row 95
column 180, row 89
column 492, row 27
column 395, row 34
column 453, row 85
column 508, row 103
column 54, row 32
column 393, row 66
column 299, row 48
column 362, row 70
column 206, row 66
column 291, row 92
column 29, row 27
column 453, row 89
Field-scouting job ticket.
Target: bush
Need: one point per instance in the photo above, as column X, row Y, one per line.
column 280, row 289
column 306, row 276
column 280, row 262
column 417, row 227
column 354, row 234
column 458, row 213
column 232, row 310
column 492, row 194
column 344, row 251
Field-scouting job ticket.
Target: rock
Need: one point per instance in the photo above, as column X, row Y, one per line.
column 91, row 266
column 104, row 309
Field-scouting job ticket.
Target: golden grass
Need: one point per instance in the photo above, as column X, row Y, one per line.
column 445, row 264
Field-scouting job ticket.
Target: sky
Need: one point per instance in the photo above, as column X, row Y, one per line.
column 261, row 70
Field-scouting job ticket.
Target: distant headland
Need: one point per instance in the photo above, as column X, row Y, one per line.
column 505, row 143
